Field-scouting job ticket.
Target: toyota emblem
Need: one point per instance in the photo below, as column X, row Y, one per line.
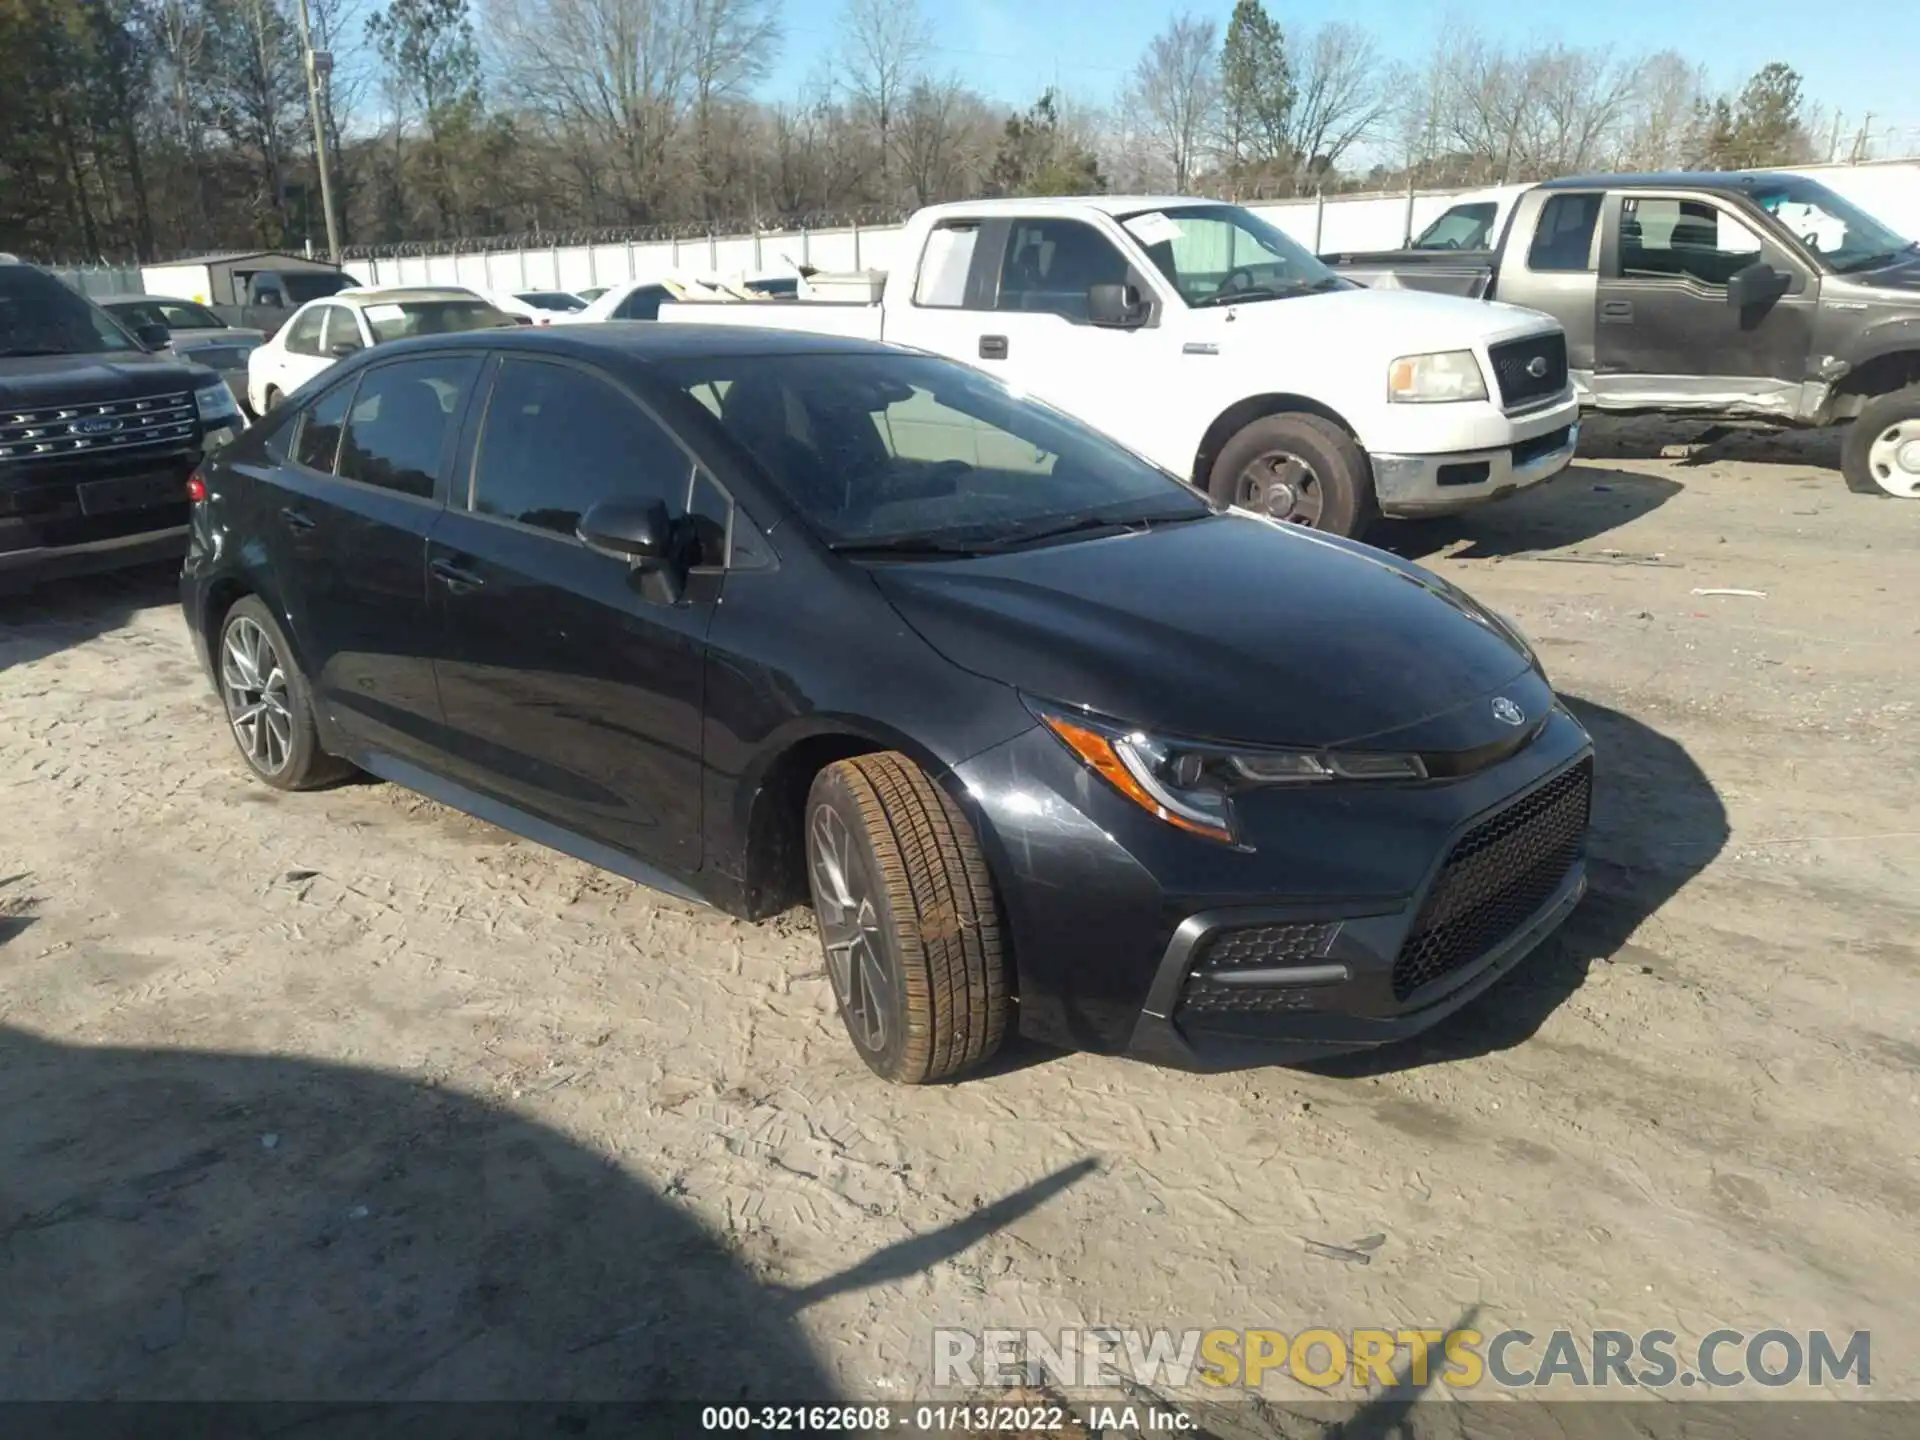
column 1508, row 713
column 1537, row 367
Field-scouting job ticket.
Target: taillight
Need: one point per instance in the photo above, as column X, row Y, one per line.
column 196, row 488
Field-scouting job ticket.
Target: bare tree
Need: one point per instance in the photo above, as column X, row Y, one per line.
column 1579, row 104
column 729, row 45
column 1175, row 95
column 1341, row 95
column 928, row 138
column 883, row 45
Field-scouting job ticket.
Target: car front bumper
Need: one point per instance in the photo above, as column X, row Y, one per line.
column 1542, row 445
column 1363, row 916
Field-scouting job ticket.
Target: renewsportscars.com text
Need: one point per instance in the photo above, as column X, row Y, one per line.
column 1365, row 1359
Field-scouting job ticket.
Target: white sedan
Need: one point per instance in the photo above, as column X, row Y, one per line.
column 323, row 332
column 542, row 307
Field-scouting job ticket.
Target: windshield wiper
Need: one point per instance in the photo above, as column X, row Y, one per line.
column 1234, row 297
column 905, row 547
column 1085, row 524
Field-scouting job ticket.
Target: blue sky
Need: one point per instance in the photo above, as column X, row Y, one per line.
column 1856, row 55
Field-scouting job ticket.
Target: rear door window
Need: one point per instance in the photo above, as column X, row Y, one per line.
column 1563, row 240
column 403, row 417
column 303, row 331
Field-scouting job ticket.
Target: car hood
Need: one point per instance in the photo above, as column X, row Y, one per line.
column 1898, row 283
column 1393, row 322
column 27, row 381
column 1231, row 628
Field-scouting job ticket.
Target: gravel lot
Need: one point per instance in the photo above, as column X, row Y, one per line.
column 345, row 1096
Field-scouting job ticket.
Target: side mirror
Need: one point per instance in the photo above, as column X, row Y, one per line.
column 271, row 299
column 340, row 349
column 643, row 536
column 1115, row 306
column 1756, row 285
column 154, row 337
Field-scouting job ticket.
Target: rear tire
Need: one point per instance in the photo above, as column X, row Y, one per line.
column 272, row 397
column 1881, row 452
column 1300, row 468
column 269, row 704
column 908, row 920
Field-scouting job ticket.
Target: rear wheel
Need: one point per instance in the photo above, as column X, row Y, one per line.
column 269, row 705
column 907, row 919
column 1881, row 452
column 272, row 397
column 1299, row 468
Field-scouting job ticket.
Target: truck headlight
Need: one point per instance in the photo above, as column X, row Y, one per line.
column 1192, row 785
column 1435, row 379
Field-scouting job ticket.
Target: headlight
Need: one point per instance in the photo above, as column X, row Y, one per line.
column 215, row 403
column 1192, row 785
column 1436, row 379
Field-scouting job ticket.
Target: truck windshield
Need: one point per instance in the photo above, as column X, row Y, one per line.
column 1843, row 234
column 41, row 316
column 1464, row 227
column 914, row 453
column 433, row 317
column 1222, row 255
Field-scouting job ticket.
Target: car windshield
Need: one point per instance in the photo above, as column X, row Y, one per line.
column 551, row 300
column 894, row 451
column 174, row 314
column 398, row 320
column 41, row 316
column 1843, row 234
column 1464, row 227
column 304, row 287
column 1221, row 254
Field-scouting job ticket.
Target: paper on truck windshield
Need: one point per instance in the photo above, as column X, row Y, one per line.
column 378, row 313
column 1154, row 228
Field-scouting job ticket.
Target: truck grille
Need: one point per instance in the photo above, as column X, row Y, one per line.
column 106, row 427
column 1496, row 877
column 1514, row 364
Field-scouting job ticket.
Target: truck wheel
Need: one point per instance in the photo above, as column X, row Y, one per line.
column 907, row 919
column 1298, row 468
column 1881, row 454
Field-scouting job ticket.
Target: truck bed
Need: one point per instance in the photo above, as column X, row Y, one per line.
column 1468, row 273
column 809, row 317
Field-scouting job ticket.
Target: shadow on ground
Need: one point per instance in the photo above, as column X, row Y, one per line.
column 64, row 613
column 202, row 1226
column 1700, row 442
column 1657, row 823
column 1578, row 507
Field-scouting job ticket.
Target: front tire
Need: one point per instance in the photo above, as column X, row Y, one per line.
column 1299, row 468
column 1881, row 452
column 269, row 704
column 908, row 920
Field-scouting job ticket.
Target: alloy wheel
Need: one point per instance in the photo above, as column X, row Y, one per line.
column 1283, row 486
column 850, row 931
column 253, row 682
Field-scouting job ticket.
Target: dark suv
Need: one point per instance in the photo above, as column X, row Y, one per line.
column 1045, row 736
column 98, row 434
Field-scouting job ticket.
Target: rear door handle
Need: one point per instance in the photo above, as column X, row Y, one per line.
column 456, row 578
column 993, row 347
column 296, row 519
column 1616, row 310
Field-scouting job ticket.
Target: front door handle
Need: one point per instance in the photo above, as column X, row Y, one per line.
column 993, row 347
column 1616, row 310
column 456, row 578
column 296, row 519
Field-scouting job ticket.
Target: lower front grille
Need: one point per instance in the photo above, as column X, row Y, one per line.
column 1250, row 947
column 1495, row 878
column 1530, row 370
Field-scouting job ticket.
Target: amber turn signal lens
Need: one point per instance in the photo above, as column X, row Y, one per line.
column 1097, row 751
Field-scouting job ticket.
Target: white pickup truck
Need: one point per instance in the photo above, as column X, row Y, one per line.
column 1211, row 343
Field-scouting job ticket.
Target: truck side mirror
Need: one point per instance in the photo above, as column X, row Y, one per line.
column 270, row 298
column 1756, row 285
column 1115, row 306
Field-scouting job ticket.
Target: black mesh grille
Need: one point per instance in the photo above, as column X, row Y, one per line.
column 1515, row 362
column 1496, row 877
column 1246, row 948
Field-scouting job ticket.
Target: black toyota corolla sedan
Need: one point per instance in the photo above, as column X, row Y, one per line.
column 757, row 618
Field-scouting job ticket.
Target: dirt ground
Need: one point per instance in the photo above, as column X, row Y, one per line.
column 345, row 1096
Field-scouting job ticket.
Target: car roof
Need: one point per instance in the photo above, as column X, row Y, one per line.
column 1721, row 180
column 643, row 340
column 398, row 294
column 1071, row 205
column 147, row 300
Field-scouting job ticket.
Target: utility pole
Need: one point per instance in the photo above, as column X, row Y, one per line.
column 319, row 65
